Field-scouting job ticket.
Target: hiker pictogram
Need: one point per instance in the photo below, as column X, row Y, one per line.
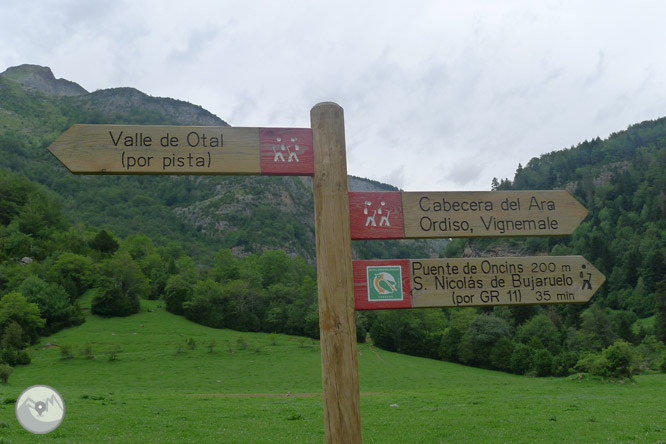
column 290, row 150
column 587, row 283
column 380, row 211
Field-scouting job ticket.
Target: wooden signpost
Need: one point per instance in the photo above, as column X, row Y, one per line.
column 158, row 149
column 410, row 215
column 345, row 285
column 413, row 283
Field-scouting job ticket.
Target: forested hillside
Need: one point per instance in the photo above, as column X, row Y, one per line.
column 203, row 213
column 622, row 182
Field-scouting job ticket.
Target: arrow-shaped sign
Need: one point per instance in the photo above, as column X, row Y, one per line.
column 411, row 283
column 162, row 149
column 400, row 215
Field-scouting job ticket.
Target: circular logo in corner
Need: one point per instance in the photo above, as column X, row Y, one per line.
column 40, row 409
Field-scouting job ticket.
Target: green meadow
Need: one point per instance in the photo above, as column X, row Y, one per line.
column 174, row 381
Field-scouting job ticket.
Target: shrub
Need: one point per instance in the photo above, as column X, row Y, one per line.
column 619, row 357
column 5, row 372
column 113, row 353
column 9, row 356
column 121, row 286
column 521, row 359
column 662, row 365
column 87, row 351
column 564, row 363
column 114, row 302
column 500, row 355
column 23, row 357
column 210, row 345
column 66, row 352
column 241, row 343
column 482, row 334
column 448, row 348
column 543, row 363
column 594, row 364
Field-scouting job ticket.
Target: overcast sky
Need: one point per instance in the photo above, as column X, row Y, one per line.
column 438, row 95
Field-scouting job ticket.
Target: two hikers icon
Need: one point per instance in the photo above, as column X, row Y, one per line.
column 291, row 150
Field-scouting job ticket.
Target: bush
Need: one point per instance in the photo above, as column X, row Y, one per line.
column 564, row 363
column 9, row 356
column 481, row 336
column 66, row 352
column 662, row 365
column 521, row 359
column 448, row 348
column 5, row 372
column 543, row 363
column 114, row 302
column 113, row 353
column 23, row 357
column 620, row 358
column 121, row 286
column 594, row 364
column 500, row 355
column 87, row 351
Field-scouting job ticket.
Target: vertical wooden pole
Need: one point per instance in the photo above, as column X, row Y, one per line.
column 337, row 322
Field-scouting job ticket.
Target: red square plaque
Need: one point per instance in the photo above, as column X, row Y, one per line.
column 376, row 215
column 382, row 284
column 286, row 151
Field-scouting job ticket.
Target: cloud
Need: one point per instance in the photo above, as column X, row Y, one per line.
column 443, row 95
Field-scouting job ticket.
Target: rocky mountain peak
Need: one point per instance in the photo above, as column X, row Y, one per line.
column 41, row 78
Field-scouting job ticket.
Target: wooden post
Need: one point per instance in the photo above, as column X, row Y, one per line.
column 337, row 322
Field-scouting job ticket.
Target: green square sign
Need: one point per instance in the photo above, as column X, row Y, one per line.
column 384, row 283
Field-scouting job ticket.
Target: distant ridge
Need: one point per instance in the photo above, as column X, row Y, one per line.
column 41, row 78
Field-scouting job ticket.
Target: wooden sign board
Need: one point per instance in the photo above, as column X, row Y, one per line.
column 412, row 283
column 413, row 215
column 162, row 149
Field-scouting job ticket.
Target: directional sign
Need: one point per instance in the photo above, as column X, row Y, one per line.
column 411, row 283
column 160, row 149
column 400, row 215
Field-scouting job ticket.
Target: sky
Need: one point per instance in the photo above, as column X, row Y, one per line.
column 437, row 95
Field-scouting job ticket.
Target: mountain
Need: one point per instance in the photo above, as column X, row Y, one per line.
column 41, row 78
column 204, row 244
column 246, row 214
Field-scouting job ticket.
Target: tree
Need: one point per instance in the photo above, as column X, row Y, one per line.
column 226, row 266
column 482, row 334
column 121, row 286
column 620, row 358
column 597, row 330
column 15, row 307
column 72, row 272
column 5, row 372
column 521, row 359
column 448, row 349
column 541, row 328
column 13, row 337
column 660, row 311
column 543, row 362
column 54, row 304
column 178, row 290
column 500, row 355
column 564, row 363
column 104, row 243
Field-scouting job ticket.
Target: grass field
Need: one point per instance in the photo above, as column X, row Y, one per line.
column 260, row 388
